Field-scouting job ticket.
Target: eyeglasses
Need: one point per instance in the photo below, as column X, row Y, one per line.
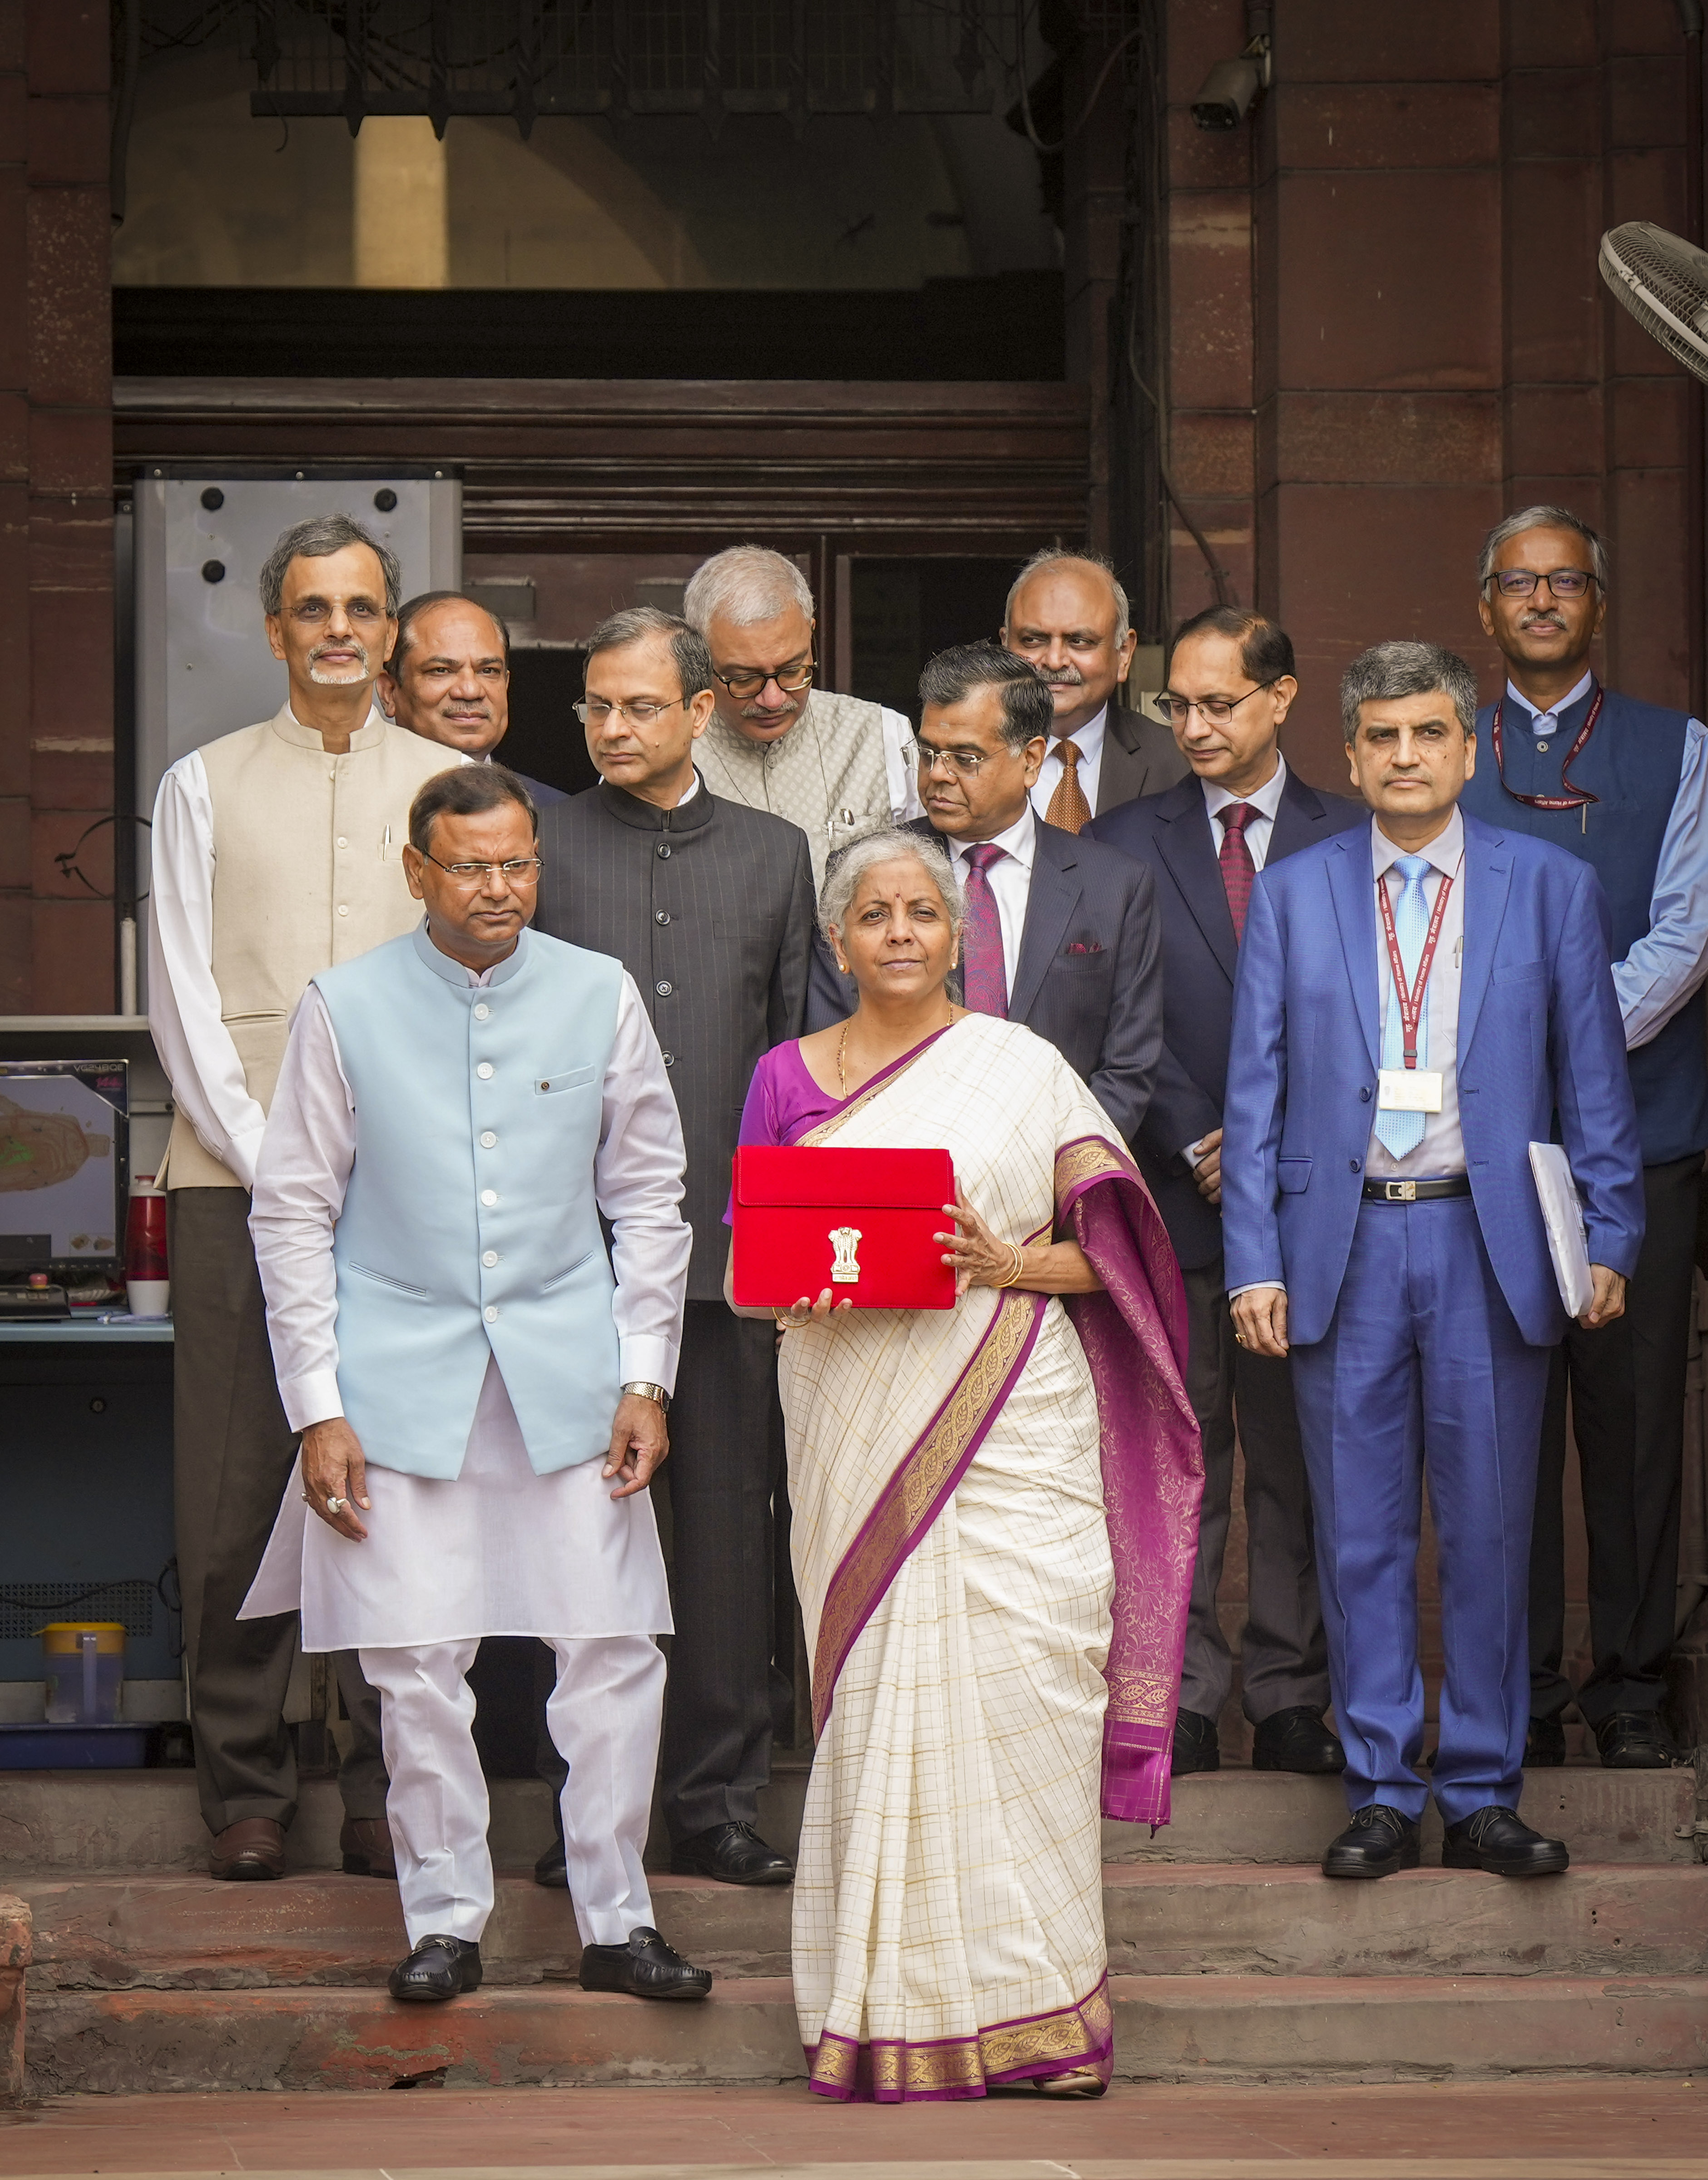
column 1563, row 582
column 749, row 680
column 1216, row 711
column 594, row 710
column 522, row 871
column 966, row 762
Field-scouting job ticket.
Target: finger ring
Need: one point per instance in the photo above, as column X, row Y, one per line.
column 1239, row 1340
column 336, row 1505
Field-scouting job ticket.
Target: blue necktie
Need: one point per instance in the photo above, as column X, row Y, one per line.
column 1400, row 1133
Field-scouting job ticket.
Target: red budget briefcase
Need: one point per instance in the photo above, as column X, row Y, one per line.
column 859, row 1222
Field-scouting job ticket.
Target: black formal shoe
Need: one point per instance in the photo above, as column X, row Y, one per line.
column 1196, row 1745
column 552, row 1868
column 734, row 1854
column 364, row 1843
column 1635, row 1741
column 1544, row 1744
column 1297, row 1741
column 1494, row 1839
column 437, row 1968
column 646, row 1967
column 1377, row 1841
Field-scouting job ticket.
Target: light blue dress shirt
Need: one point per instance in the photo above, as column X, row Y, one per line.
column 1671, row 960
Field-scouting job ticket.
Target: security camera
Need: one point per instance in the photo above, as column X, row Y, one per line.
column 1231, row 86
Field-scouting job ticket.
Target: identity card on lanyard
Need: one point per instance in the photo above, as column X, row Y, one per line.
column 1410, row 1089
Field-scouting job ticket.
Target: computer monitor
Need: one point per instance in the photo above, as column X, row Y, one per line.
column 64, row 1168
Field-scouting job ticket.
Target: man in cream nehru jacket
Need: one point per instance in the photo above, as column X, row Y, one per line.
column 276, row 851
column 835, row 766
column 481, row 1390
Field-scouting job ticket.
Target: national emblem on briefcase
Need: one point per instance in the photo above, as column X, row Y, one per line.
column 844, row 1241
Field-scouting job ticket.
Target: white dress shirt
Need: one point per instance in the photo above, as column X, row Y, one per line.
column 1089, row 741
column 1441, row 1151
column 1011, row 882
column 1265, row 800
column 900, row 772
column 1670, row 960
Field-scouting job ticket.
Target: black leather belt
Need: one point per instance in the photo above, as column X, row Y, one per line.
column 1416, row 1191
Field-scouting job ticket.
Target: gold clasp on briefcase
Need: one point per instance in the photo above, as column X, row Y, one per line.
column 844, row 1239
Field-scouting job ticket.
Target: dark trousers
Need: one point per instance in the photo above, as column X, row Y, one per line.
column 1284, row 1660
column 1626, row 1386
column 727, row 1437
column 234, row 1453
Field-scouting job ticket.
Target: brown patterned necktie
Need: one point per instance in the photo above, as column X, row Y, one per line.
column 1068, row 807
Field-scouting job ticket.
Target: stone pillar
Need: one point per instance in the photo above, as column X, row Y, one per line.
column 56, row 506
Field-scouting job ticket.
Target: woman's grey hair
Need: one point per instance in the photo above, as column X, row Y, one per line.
column 1542, row 518
column 747, row 583
column 317, row 539
column 1389, row 671
column 634, row 624
column 891, row 845
column 1051, row 557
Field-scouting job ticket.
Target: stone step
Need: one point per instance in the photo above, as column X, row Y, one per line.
column 68, row 1822
column 1163, row 1919
column 1278, row 1817
column 1197, row 2029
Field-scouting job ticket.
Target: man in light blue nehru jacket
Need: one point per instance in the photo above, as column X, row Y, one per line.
column 480, row 1387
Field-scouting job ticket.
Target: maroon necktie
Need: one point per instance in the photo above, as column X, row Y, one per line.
column 984, row 974
column 1237, row 868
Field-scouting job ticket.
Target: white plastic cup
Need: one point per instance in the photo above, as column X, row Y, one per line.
column 148, row 1297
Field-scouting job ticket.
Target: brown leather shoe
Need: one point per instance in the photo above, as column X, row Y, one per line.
column 364, row 1843
column 248, row 1852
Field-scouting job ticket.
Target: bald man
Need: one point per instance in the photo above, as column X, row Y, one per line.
column 1068, row 614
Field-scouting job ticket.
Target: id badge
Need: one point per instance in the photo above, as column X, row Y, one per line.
column 1409, row 1089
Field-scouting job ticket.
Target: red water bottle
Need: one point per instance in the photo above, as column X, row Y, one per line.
column 146, row 1282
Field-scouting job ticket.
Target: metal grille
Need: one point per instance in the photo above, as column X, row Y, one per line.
column 26, row 1607
column 526, row 57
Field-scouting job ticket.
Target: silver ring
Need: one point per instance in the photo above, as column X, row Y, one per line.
column 336, row 1505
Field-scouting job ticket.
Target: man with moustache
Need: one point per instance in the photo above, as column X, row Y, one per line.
column 1060, row 933
column 1068, row 615
column 834, row 765
column 448, row 679
column 1230, row 687
column 1623, row 784
column 277, row 852
column 709, row 905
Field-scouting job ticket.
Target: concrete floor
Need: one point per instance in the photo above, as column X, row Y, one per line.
column 1564, row 2130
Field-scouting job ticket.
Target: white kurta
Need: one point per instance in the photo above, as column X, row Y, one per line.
column 497, row 1550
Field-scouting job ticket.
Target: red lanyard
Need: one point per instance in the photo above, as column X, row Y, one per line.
column 1412, row 1001
column 1574, row 798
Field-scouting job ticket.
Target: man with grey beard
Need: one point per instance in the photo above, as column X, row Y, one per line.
column 1067, row 613
column 277, row 852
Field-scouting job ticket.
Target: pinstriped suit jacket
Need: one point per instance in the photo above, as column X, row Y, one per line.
column 710, row 908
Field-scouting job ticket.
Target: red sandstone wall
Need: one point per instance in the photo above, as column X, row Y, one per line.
column 56, row 505
column 1388, row 328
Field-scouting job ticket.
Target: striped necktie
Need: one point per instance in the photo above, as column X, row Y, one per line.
column 1237, row 868
column 983, row 973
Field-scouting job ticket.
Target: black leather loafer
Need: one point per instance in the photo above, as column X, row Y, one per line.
column 1494, row 1839
column 365, row 1844
column 734, row 1854
column 1377, row 1841
column 646, row 1967
column 1635, row 1741
column 1297, row 1741
column 1197, row 1745
column 437, row 1968
column 1544, row 1744
column 552, row 1868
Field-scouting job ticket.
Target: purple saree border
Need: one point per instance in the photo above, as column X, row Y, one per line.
column 852, row 2080
column 827, row 1668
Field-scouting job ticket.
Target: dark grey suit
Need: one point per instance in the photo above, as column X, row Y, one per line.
column 1284, row 1661
column 1087, row 976
column 710, row 907
column 1140, row 757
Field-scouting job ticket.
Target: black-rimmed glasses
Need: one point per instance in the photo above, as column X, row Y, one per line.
column 749, row 680
column 1563, row 582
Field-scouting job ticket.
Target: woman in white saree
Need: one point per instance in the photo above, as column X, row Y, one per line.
column 994, row 1512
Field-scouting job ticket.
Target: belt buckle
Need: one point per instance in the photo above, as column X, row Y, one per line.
column 1399, row 1192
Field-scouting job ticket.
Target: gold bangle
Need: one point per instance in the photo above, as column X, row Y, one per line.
column 1019, row 1264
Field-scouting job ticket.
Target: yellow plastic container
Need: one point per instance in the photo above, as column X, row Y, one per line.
column 83, row 1663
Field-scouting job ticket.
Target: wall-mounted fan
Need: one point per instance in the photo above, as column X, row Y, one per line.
column 1662, row 281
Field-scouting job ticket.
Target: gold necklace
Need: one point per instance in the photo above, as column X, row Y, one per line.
column 842, row 1050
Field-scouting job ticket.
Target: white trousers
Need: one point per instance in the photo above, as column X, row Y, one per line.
column 603, row 1715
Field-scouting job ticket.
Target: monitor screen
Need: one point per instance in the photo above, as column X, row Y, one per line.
column 64, row 1171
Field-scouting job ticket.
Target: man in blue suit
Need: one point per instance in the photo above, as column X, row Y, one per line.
column 1416, row 1003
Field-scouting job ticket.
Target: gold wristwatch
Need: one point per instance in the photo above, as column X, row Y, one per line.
column 649, row 1391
